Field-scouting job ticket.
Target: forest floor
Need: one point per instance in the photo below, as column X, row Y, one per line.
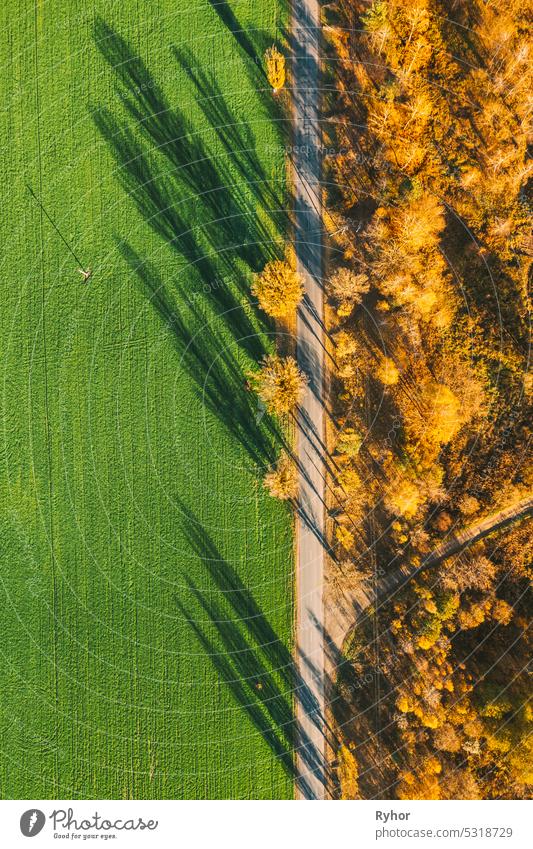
column 146, row 575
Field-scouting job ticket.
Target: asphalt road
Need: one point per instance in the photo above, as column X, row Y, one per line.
column 306, row 161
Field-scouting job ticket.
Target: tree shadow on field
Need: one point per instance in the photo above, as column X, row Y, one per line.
column 255, row 664
column 222, row 210
column 208, row 360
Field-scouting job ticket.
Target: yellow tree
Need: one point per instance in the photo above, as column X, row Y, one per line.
column 403, row 497
column 282, row 480
column 275, row 68
column 280, row 383
column 278, row 289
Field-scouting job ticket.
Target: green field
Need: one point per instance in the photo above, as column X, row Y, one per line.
column 146, row 578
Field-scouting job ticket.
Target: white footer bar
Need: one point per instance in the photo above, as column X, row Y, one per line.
column 258, row 825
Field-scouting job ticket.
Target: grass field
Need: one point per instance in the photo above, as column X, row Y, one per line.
column 146, row 578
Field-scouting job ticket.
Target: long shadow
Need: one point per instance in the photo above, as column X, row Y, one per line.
column 256, row 666
column 204, row 355
column 200, row 209
column 307, row 309
column 154, row 197
column 253, row 43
